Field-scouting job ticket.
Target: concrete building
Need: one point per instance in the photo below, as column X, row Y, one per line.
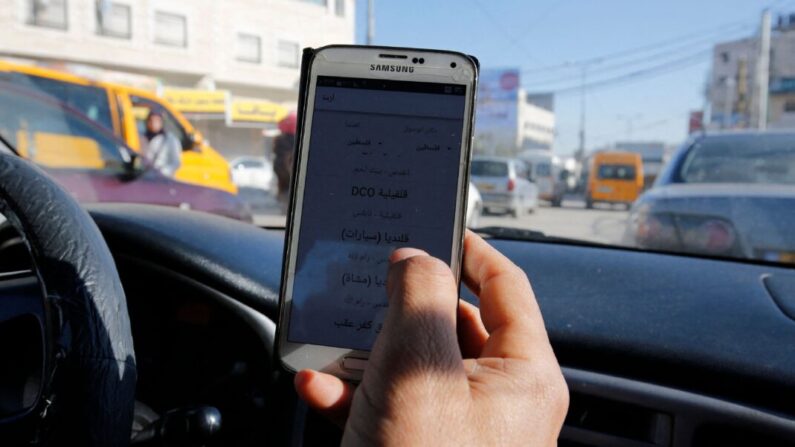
column 248, row 49
column 731, row 89
column 510, row 120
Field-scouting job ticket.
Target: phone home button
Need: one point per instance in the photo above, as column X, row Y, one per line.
column 354, row 363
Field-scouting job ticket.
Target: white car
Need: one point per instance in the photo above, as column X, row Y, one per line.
column 474, row 206
column 253, row 172
column 504, row 185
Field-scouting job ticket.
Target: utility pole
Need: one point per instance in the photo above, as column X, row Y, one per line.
column 763, row 71
column 581, row 149
column 370, row 21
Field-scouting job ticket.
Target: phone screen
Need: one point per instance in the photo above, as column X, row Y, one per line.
column 381, row 172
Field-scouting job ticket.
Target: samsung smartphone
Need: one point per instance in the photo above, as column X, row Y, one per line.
column 382, row 162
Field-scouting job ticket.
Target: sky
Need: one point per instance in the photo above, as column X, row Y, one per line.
column 549, row 39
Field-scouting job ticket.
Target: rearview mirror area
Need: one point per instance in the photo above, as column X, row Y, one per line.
column 22, row 328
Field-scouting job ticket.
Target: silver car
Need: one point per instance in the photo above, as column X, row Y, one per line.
column 725, row 194
column 504, row 185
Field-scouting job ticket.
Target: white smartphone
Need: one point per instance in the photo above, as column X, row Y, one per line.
column 382, row 162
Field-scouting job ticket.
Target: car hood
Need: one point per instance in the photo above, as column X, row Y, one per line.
column 761, row 215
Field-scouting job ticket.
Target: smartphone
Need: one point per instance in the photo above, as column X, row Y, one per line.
column 382, row 160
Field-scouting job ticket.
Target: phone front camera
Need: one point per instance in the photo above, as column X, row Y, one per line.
column 415, row 60
column 453, row 65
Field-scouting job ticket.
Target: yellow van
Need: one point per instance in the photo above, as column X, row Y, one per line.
column 614, row 177
column 123, row 110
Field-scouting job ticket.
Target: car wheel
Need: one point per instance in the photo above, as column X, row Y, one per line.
column 589, row 204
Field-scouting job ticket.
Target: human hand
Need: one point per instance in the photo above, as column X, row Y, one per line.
column 495, row 382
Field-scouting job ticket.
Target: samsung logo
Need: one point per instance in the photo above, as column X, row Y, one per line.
column 392, row 68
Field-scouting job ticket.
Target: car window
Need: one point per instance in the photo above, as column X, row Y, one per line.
column 91, row 101
column 543, row 169
column 144, row 106
column 250, row 163
column 489, row 168
column 769, row 159
column 55, row 137
column 617, row 172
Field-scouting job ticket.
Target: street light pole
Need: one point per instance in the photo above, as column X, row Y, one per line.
column 581, row 150
column 370, row 21
column 763, row 71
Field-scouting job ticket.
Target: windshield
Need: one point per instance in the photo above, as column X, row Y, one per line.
column 616, row 172
column 766, row 159
column 592, row 122
column 489, row 168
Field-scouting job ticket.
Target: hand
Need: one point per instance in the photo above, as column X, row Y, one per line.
column 496, row 382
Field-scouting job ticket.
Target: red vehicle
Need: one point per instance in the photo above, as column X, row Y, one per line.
column 91, row 163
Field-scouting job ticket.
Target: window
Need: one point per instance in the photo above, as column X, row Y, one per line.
column 171, row 29
column 89, row 100
column 48, row 14
column 249, row 48
column 766, row 159
column 288, row 54
column 169, row 122
column 484, row 168
column 617, row 172
column 789, row 106
column 339, row 8
column 724, row 57
column 53, row 137
column 114, row 20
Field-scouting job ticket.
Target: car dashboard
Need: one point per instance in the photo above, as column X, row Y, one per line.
column 658, row 350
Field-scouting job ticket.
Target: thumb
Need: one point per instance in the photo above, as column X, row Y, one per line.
column 419, row 332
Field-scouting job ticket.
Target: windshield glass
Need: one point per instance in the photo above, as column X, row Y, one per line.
column 592, row 122
column 767, row 159
column 616, row 172
column 489, row 168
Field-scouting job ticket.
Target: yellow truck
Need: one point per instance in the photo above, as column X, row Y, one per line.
column 123, row 109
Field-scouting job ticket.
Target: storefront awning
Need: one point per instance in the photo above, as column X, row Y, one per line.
column 254, row 113
column 199, row 103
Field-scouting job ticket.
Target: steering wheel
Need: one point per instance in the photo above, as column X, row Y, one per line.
column 88, row 386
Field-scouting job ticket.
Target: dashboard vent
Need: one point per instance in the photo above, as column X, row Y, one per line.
column 596, row 421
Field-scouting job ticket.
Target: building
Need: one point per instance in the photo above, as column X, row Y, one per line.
column 508, row 119
column 731, row 89
column 231, row 66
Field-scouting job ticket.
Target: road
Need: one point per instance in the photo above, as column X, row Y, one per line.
column 602, row 224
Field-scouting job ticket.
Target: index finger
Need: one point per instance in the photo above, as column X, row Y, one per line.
column 507, row 303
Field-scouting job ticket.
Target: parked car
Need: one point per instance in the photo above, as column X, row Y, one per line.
column 122, row 110
column 253, row 172
column 547, row 173
column 725, row 194
column 90, row 162
column 474, row 207
column 504, row 185
column 614, row 177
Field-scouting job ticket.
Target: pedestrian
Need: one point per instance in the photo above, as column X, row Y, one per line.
column 284, row 150
column 163, row 149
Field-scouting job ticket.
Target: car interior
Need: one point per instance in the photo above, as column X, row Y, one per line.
column 657, row 349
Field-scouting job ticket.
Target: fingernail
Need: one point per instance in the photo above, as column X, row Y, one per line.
column 405, row 253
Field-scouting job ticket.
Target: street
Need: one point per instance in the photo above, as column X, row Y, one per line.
column 602, row 224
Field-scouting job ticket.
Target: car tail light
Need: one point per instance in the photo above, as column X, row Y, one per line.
column 710, row 236
column 656, row 231
column 511, row 184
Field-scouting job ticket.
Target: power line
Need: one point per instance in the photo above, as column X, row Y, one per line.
column 625, row 64
column 648, row 72
column 512, row 39
column 729, row 27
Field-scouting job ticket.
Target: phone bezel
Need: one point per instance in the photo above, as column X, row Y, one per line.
column 353, row 61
